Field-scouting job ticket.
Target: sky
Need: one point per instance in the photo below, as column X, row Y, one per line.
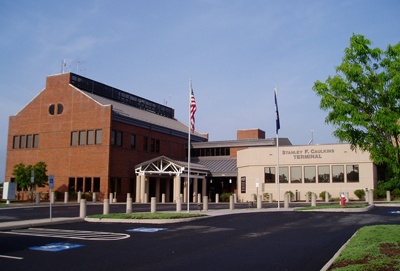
column 234, row 51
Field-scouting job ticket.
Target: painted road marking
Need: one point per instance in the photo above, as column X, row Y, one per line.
column 11, row 257
column 143, row 229
column 56, row 247
column 394, row 212
column 72, row 234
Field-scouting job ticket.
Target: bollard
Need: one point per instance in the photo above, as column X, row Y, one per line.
column 106, row 206
column 307, row 197
column 366, row 196
column 326, row 196
column 178, row 205
column 205, row 203
column 387, row 195
column 111, row 198
column 128, row 195
column 231, row 204
column 346, row 195
column 259, row 202
column 115, row 197
column 82, row 211
column 79, row 197
column 37, row 198
column 216, row 198
column 163, row 198
column 286, row 202
column 129, row 205
column 65, row 197
column 94, row 197
column 313, row 199
column 370, row 197
column 270, row 198
column 234, row 198
column 153, row 205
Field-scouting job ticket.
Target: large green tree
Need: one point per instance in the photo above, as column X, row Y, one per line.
column 22, row 175
column 362, row 100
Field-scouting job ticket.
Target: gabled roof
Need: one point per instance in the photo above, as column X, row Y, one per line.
column 164, row 165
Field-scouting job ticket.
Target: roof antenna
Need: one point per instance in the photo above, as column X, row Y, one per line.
column 312, row 138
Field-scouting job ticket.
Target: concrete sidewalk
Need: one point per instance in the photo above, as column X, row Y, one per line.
column 21, row 224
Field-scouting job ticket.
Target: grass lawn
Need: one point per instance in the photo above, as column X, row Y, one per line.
column 147, row 216
column 372, row 248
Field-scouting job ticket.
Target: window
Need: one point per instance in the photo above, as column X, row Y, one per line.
column 269, row 174
column 36, row 141
column 352, row 174
column 29, row 141
column 71, row 185
column 309, row 174
column 112, row 139
column 90, row 137
column 74, row 138
column 338, row 174
column 22, row 142
column 324, row 175
column 15, row 142
column 119, row 138
column 283, row 174
column 243, row 184
column 98, row 136
column 82, row 137
column 51, row 109
column 60, row 108
column 133, row 141
column 157, row 146
column 96, row 184
column 88, row 184
column 295, row 175
column 79, row 184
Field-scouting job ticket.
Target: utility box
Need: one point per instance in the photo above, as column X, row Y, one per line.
column 9, row 190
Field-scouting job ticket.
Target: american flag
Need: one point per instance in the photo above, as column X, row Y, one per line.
column 193, row 109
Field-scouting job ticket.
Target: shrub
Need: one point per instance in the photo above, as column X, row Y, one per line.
column 360, row 193
column 379, row 193
column 225, row 197
column 266, row 196
column 396, row 193
column 291, row 194
column 322, row 195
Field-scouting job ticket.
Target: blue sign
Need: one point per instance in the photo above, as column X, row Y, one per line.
column 56, row 247
column 143, row 229
column 51, row 181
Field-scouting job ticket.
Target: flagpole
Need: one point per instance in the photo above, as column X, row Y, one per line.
column 277, row 144
column 189, row 133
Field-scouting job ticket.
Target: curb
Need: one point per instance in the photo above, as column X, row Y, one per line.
column 143, row 221
column 339, row 210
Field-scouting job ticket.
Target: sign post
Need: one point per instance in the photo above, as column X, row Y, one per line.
column 51, row 186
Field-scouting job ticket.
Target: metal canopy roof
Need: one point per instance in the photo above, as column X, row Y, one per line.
column 163, row 165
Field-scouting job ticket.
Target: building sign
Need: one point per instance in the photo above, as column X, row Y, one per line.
column 243, row 185
column 308, row 153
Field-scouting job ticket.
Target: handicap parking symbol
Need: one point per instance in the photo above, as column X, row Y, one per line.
column 56, row 247
column 144, row 229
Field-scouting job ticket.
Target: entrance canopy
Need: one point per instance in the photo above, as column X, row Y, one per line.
column 163, row 165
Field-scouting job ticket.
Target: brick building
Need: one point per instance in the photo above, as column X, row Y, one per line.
column 92, row 135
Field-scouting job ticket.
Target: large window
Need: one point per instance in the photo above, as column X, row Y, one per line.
column 309, row 174
column 352, row 174
column 82, row 137
column 324, row 175
column 74, row 138
column 338, row 174
column 29, row 141
column 88, row 184
column 90, row 137
column 36, row 141
column 22, row 142
column 283, row 174
column 98, row 136
column 116, row 138
column 133, row 141
column 295, row 175
column 269, row 174
column 15, row 142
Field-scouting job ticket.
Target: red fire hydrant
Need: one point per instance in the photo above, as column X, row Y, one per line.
column 342, row 201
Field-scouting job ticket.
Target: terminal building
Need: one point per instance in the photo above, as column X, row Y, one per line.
column 96, row 138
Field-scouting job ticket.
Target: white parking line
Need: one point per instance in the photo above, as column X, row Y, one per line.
column 71, row 234
column 11, row 257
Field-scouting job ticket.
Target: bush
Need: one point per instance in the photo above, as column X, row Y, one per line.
column 379, row 193
column 396, row 193
column 360, row 193
column 291, row 194
column 322, row 195
column 266, row 196
column 225, row 197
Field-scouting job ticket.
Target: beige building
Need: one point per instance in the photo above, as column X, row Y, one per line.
column 333, row 168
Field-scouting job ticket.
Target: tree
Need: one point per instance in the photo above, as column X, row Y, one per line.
column 362, row 101
column 22, row 175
